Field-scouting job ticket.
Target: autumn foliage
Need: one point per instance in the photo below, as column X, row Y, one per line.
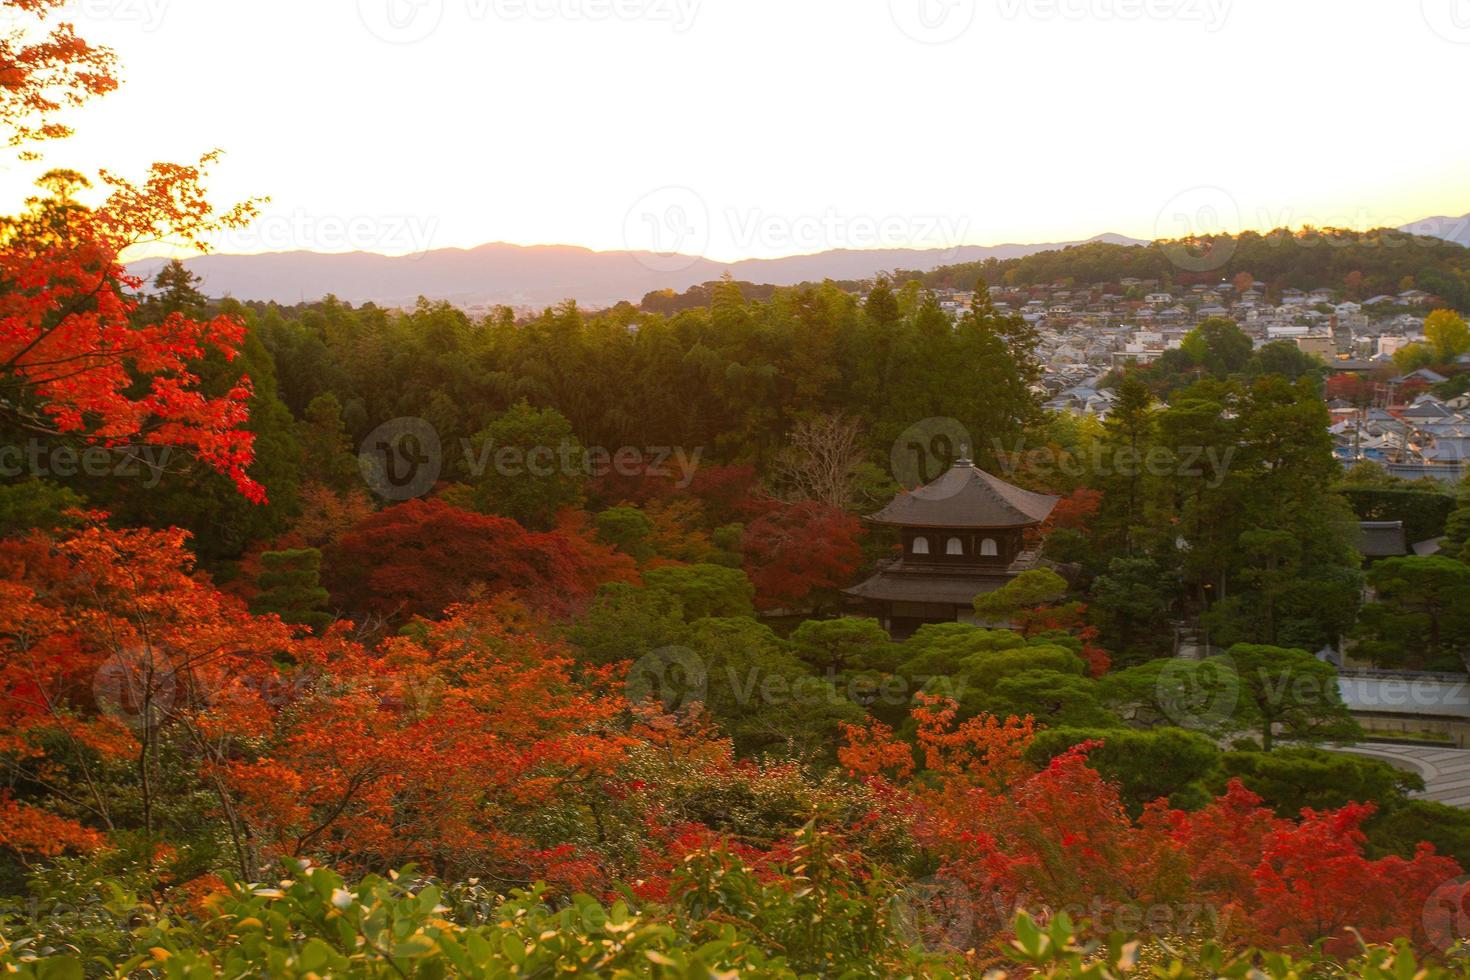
column 1060, row 837
column 107, row 639
column 156, row 736
column 801, row 548
column 74, row 361
column 43, row 70
column 445, row 746
column 472, row 743
column 419, row 557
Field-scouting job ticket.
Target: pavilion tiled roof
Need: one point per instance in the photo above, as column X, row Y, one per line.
column 954, row 589
column 967, row 496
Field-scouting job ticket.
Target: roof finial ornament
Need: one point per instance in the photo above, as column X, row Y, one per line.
column 964, row 458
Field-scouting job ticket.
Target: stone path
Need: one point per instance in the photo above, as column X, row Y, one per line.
column 1446, row 771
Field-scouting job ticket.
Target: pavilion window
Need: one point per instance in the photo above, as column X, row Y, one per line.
column 921, row 546
column 988, row 548
column 954, row 547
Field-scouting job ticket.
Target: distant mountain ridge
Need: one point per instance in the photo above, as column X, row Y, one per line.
column 1451, row 229
column 537, row 275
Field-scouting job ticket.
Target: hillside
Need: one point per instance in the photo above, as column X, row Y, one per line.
column 538, row 275
column 1361, row 264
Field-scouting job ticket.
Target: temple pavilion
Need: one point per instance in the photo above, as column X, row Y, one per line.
column 963, row 535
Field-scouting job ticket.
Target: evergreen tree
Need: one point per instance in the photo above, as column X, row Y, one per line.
column 290, row 584
column 326, row 453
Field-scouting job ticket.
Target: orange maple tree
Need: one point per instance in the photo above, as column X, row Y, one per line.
column 43, row 71
column 107, row 639
column 74, row 362
column 442, row 748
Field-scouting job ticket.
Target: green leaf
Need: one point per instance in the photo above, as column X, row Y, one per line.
column 59, row 968
column 1028, row 936
column 315, row 955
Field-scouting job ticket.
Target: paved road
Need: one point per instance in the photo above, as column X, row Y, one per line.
column 1446, row 771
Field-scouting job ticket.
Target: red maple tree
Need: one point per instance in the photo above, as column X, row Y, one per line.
column 798, row 549
column 1060, row 837
column 420, row 557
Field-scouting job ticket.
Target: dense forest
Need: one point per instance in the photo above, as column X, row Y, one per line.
column 1360, row 264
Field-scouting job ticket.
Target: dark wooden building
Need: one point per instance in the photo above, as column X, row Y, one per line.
column 963, row 535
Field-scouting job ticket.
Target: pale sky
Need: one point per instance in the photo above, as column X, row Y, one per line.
column 739, row 128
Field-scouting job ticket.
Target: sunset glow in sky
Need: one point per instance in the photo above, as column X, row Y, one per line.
column 740, row 128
